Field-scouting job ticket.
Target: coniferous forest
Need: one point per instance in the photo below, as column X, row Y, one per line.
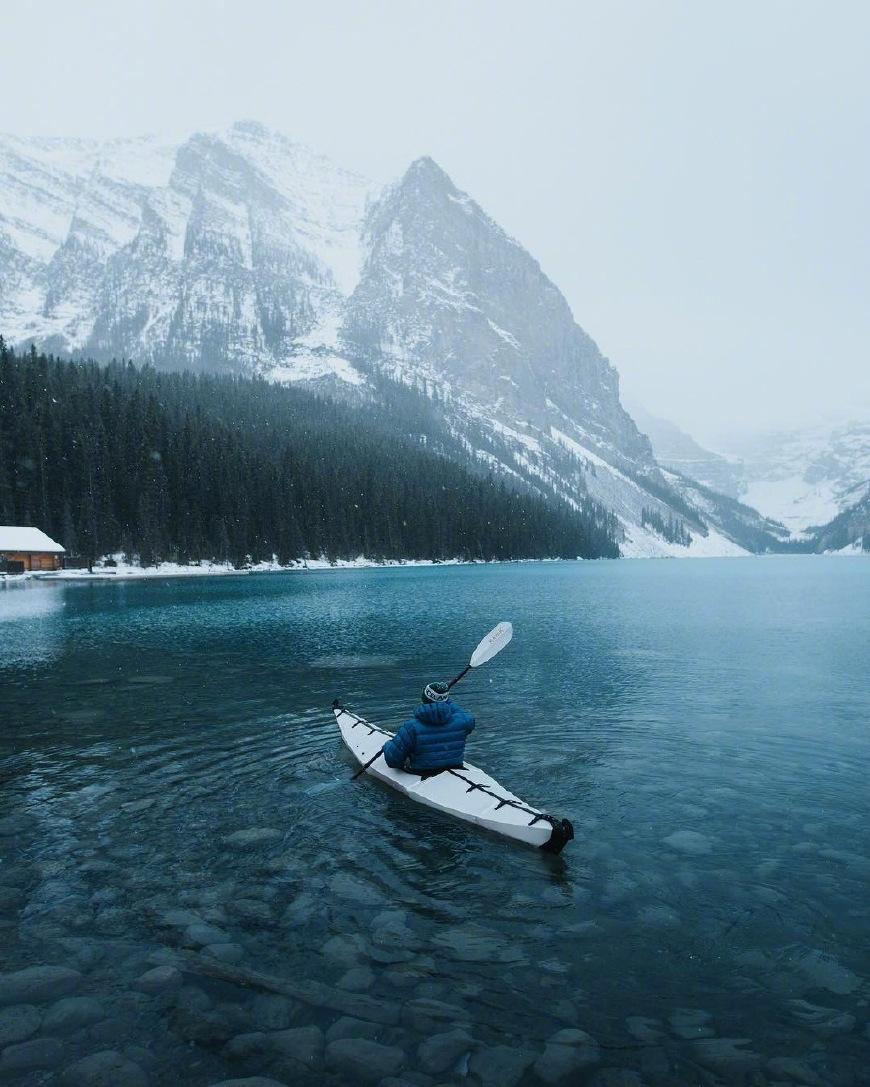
column 183, row 467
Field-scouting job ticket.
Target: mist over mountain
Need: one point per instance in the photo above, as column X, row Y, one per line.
column 242, row 252
column 813, row 482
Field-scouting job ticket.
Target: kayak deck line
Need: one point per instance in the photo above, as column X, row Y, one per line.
column 543, row 830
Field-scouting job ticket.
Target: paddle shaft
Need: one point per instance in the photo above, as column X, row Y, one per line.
column 464, row 672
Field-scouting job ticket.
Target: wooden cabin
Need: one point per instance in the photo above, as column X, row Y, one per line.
column 29, row 547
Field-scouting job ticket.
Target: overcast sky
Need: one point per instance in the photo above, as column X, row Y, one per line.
column 693, row 176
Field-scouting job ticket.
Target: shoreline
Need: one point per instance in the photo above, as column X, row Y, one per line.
column 128, row 572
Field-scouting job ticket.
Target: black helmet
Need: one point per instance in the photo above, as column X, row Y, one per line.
column 435, row 692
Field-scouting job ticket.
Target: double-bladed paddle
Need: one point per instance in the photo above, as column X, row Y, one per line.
column 493, row 643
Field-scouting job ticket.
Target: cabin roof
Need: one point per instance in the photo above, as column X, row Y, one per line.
column 22, row 538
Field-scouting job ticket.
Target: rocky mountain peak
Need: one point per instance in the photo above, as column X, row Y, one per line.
column 243, row 250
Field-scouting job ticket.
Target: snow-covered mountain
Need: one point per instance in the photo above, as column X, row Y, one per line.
column 241, row 250
column 814, row 482
column 805, row 478
column 677, row 450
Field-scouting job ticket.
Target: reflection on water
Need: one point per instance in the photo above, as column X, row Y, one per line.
column 179, row 832
column 30, row 631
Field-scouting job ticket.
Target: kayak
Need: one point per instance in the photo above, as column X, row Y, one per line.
column 466, row 793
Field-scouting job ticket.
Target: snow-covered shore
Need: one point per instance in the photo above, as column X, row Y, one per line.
column 123, row 571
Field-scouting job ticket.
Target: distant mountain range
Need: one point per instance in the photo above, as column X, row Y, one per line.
column 815, row 482
column 242, row 251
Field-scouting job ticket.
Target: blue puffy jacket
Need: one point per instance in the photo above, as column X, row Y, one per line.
column 434, row 737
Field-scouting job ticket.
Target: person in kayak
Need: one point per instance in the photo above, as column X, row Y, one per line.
column 434, row 738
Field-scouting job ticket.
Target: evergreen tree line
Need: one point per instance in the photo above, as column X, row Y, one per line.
column 673, row 530
column 180, row 466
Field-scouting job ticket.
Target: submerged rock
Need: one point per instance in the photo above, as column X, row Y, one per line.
column 347, row 886
column 344, row 950
column 348, row 1027
column 644, row 1029
column 471, row 943
column 725, row 1054
column 303, row 1045
column 500, row 1065
column 251, row 1081
column 253, row 836
column 792, row 1069
column 247, row 1045
column 71, row 1014
column 108, row 1068
column 689, row 842
column 616, row 1077
column 825, row 972
column 659, row 916
column 425, row 1014
column 440, row 1052
column 364, row 1061
column 180, row 918
column 18, row 1023
column 270, row 1011
column 37, row 984
column 252, row 910
column 161, row 979
column 31, row 1056
column 203, row 934
column 565, row 1053
column 823, row 1021
column 357, row 979
column 228, row 953
column 691, row 1023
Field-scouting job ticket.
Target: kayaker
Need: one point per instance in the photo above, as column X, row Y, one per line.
column 434, row 738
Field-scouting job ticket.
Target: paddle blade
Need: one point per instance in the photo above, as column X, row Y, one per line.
column 493, row 643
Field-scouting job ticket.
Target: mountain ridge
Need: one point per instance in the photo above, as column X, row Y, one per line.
column 242, row 251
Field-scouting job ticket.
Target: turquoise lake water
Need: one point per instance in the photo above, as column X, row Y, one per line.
column 703, row 724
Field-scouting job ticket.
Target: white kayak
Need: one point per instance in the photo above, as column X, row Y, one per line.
column 467, row 794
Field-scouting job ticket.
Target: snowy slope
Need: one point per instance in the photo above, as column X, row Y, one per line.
column 226, row 250
column 240, row 250
column 676, row 449
column 806, row 478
